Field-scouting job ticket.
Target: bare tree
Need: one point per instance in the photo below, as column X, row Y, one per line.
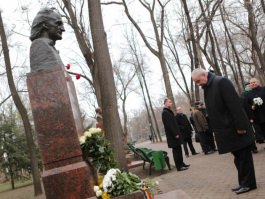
column 124, row 80
column 159, row 38
column 253, row 34
column 22, row 111
column 111, row 119
column 75, row 19
column 138, row 63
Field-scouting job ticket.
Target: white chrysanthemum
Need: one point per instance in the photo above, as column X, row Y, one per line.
column 258, row 101
column 96, row 188
column 109, row 178
column 98, row 193
column 94, row 130
column 87, row 134
column 82, row 139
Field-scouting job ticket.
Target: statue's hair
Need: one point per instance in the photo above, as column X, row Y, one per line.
column 198, row 71
column 42, row 17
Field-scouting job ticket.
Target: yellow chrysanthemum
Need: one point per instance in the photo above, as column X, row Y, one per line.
column 100, row 179
column 105, row 195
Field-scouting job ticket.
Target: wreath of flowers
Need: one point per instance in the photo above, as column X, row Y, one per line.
column 98, row 151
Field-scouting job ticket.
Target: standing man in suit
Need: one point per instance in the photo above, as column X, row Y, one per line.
column 186, row 131
column 232, row 129
column 173, row 135
column 256, row 103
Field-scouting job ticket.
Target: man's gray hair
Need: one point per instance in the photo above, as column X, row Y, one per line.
column 198, row 71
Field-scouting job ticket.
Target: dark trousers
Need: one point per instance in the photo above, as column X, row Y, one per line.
column 177, row 155
column 188, row 141
column 245, row 167
column 204, row 141
column 259, row 135
column 211, row 141
column 262, row 127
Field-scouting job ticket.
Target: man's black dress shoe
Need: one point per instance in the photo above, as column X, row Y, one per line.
column 182, row 168
column 236, row 189
column 244, row 190
column 186, row 165
column 209, row 152
column 195, row 153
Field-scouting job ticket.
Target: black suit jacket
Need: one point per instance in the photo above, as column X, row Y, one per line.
column 171, row 128
column 184, row 125
column 226, row 115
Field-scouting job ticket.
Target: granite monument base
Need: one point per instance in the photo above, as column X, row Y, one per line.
column 68, row 182
column 57, row 122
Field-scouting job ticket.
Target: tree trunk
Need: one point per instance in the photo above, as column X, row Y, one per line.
column 85, row 48
column 23, row 113
column 253, row 34
column 193, row 41
column 235, row 53
column 125, row 120
column 111, row 119
column 151, row 107
column 151, row 125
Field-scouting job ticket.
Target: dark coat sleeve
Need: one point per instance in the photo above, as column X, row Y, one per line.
column 247, row 106
column 168, row 121
column 171, row 129
column 232, row 102
column 188, row 122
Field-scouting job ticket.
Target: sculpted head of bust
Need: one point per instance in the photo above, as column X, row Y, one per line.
column 47, row 24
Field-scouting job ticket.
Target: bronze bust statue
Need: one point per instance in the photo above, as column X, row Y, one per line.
column 47, row 27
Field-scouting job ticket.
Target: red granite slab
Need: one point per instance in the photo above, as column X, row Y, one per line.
column 57, row 121
column 50, row 96
column 68, row 182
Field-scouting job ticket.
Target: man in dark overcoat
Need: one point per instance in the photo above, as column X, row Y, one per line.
column 232, row 129
column 258, row 110
column 186, row 131
column 173, row 135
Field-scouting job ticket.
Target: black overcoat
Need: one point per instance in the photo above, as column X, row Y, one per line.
column 259, row 112
column 226, row 115
column 171, row 128
column 184, row 126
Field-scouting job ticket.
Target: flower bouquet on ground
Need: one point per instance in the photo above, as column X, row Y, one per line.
column 113, row 183
column 97, row 150
column 116, row 183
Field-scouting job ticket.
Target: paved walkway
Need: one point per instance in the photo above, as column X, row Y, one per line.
column 209, row 176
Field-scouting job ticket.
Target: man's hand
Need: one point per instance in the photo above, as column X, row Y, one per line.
column 177, row 136
column 241, row 132
column 253, row 107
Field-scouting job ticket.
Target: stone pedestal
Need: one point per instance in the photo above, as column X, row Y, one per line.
column 56, row 117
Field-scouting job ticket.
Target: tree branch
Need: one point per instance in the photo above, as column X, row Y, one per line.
column 112, row 2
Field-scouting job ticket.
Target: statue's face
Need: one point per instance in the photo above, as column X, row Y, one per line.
column 55, row 27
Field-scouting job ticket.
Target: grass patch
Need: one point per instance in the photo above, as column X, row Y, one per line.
column 18, row 184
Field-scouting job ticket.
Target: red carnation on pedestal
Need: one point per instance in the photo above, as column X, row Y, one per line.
column 68, row 66
column 77, row 76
